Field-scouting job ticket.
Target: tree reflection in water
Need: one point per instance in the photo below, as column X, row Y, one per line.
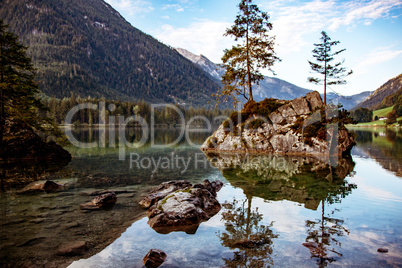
column 306, row 180
column 321, row 238
column 251, row 240
column 322, row 234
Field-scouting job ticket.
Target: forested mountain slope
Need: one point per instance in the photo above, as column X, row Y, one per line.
column 86, row 47
column 384, row 96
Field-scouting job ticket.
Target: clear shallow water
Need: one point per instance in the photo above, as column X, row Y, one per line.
column 347, row 229
column 344, row 214
column 368, row 219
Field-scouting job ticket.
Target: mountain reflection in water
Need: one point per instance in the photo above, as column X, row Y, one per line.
column 382, row 144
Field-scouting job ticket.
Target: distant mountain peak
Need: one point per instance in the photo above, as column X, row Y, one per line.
column 203, row 62
column 270, row 87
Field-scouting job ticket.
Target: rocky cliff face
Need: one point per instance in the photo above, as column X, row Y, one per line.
column 284, row 132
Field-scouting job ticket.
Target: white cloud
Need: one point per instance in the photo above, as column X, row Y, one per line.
column 354, row 12
column 376, row 57
column 291, row 24
column 132, row 7
column 200, row 37
column 178, row 7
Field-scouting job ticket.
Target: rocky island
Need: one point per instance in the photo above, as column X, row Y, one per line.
column 303, row 126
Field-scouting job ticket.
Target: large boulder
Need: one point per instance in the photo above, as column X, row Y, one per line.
column 300, row 105
column 162, row 191
column 183, row 209
column 314, row 99
column 289, row 129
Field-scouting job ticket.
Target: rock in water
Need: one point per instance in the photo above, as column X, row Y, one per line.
column 104, row 201
column 51, row 186
column 41, row 186
column 162, row 191
column 154, row 258
column 183, row 209
column 72, row 248
column 295, row 127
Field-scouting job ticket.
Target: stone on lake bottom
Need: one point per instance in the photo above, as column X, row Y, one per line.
column 104, row 201
column 382, row 250
column 72, row 248
column 154, row 258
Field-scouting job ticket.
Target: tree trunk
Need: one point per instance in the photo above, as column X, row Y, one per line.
column 250, row 91
column 2, row 110
column 325, row 84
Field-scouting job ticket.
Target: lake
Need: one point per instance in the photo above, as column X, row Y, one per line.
column 306, row 212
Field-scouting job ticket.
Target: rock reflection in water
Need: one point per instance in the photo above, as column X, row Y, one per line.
column 303, row 179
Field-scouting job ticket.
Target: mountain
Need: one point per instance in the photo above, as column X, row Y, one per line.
column 86, row 47
column 204, row 63
column 349, row 102
column 271, row 87
column 384, row 96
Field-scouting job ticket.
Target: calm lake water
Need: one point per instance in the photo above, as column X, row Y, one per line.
column 306, row 212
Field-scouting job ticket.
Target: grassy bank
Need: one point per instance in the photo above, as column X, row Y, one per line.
column 382, row 112
column 378, row 123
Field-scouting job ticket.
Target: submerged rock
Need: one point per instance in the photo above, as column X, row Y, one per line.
column 51, row 186
column 154, row 258
column 182, row 209
column 42, row 186
column 72, row 248
column 382, row 250
column 293, row 128
column 104, row 201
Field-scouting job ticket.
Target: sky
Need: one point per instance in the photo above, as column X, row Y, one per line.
column 369, row 30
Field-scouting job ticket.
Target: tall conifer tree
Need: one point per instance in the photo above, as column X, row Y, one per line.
column 333, row 74
column 243, row 61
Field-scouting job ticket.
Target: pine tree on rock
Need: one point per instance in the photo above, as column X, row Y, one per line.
column 333, row 74
column 256, row 51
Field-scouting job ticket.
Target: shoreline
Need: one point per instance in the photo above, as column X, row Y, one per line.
column 373, row 126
